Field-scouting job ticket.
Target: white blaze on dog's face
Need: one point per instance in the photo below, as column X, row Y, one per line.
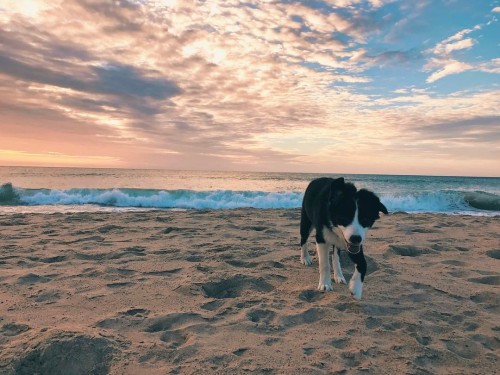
column 354, row 214
column 354, row 233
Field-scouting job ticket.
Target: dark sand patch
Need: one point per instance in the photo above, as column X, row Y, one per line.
column 13, row 329
column 67, row 354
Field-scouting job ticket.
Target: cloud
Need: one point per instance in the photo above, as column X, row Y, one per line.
column 267, row 85
column 443, row 63
column 482, row 129
column 459, row 35
column 447, row 48
column 454, row 43
column 395, row 57
column 121, row 79
column 446, row 68
column 492, row 66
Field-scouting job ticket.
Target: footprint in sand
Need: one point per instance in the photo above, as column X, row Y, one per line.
column 261, row 316
column 169, row 230
column 453, row 262
column 32, row 278
column 120, row 284
column 92, row 256
column 422, row 340
column 129, row 251
column 470, row 326
column 212, row 305
column 109, row 228
column 48, row 297
column 487, row 280
column 272, row 264
column 242, row 264
column 55, row 259
column 173, row 321
column 487, row 300
column 307, row 317
column 257, row 228
column 136, row 312
column 407, row 251
column 174, row 339
column 235, row 286
column 464, row 348
column 240, row 352
column 130, row 318
column 311, row 295
column 495, row 254
column 459, row 274
column 372, row 322
column 430, row 357
column 491, row 343
column 339, row 343
column 179, row 332
column 164, row 272
column 270, row 341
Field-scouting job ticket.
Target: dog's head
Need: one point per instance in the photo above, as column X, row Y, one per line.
column 353, row 212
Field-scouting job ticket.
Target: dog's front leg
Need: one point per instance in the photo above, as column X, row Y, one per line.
column 338, row 276
column 357, row 279
column 325, row 280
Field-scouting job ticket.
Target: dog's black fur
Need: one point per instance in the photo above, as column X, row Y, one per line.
column 330, row 204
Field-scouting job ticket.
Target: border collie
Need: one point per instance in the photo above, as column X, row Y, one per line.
column 341, row 215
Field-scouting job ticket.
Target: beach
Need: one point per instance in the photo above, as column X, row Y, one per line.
column 223, row 291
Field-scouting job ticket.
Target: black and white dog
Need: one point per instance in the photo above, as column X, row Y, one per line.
column 341, row 215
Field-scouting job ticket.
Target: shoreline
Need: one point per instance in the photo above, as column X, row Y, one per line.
column 98, row 209
column 223, row 291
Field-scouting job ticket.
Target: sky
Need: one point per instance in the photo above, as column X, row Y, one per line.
column 323, row 86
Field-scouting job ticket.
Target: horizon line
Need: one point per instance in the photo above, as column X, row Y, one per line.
column 241, row 171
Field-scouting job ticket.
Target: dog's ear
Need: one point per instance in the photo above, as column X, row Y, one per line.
column 382, row 208
column 380, row 205
column 373, row 200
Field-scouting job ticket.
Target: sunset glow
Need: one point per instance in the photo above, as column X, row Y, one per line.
column 350, row 86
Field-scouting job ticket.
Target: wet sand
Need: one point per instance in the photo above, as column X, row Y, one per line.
column 194, row 292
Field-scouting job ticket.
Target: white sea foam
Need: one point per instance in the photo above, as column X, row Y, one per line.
column 443, row 201
column 218, row 199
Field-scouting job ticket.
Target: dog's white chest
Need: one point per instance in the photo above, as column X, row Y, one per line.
column 332, row 237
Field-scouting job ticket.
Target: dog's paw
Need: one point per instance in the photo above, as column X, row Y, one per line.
column 339, row 279
column 356, row 288
column 306, row 260
column 325, row 286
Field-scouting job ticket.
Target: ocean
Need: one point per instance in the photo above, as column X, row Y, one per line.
column 50, row 190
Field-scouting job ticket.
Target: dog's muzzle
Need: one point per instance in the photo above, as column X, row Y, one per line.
column 354, row 248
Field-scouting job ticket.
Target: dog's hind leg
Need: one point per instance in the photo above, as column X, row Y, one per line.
column 338, row 276
column 305, row 231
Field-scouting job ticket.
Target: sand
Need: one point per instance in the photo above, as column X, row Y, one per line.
column 202, row 292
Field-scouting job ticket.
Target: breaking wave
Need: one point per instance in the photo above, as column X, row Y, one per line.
column 447, row 201
column 150, row 198
column 439, row 201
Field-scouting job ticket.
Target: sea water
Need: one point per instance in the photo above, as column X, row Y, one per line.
column 30, row 189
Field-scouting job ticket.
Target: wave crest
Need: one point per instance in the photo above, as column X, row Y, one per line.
column 218, row 199
column 448, row 201
column 483, row 201
column 8, row 195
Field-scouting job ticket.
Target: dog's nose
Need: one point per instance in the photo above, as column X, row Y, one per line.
column 355, row 239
